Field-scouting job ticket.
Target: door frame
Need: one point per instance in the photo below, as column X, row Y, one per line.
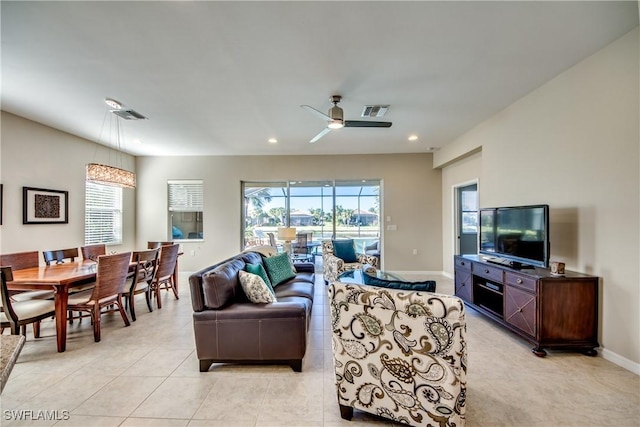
column 456, row 210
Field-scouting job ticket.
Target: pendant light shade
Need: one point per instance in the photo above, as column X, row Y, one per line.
column 110, row 175
column 106, row 174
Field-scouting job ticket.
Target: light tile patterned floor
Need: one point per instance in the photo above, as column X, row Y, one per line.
column 147, row 375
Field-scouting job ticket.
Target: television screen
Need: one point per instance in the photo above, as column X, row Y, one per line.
column 487, row 230
column 517, row 234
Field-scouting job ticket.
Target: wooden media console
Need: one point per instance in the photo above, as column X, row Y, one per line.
column 547, row 310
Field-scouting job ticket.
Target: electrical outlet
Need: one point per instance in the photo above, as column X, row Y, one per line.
column 415, row 252
column 193, row 252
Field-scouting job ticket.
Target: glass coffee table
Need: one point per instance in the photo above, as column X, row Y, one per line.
column 356, row 276
column 385, row 280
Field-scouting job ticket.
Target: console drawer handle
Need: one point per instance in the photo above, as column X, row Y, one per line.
column 519, row 281
column 486, row 271
column 462, row 263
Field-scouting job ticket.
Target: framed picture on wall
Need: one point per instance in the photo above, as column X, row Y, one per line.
column 41, row 206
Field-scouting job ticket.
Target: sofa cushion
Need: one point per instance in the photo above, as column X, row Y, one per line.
column 221, row 285
column 293, row 288
column 279, row 268
column 260, row 271
column 255, row 288
column 345, row 250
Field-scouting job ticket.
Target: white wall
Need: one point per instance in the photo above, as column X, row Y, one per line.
column 33, row 155
column 410, row 189
column 573, row 144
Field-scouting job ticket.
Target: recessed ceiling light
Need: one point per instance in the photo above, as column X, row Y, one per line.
column 272, row 140
column 413, row 138
column 113, row 103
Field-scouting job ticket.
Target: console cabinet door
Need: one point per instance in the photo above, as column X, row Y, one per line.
column 520, row 310
column 464, row 284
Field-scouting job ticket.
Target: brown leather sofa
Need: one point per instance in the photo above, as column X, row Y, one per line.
column 230, row 328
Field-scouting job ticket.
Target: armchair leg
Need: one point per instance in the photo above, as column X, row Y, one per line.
column 346, row 412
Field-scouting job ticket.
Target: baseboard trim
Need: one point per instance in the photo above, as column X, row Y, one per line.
column 621, row 361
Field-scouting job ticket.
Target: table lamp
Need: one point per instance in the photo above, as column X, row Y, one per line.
column 287, row 234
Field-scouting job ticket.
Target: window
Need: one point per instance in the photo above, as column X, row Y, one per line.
column 469, row 211
column 346, row 209
column 103, row 214
column 186, row 203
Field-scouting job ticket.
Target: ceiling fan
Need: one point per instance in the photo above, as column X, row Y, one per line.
column 335, row 119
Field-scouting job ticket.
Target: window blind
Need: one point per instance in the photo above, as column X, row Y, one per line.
column 103, row 214
column 186, row 196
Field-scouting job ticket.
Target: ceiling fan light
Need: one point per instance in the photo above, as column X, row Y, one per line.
column 336, row 124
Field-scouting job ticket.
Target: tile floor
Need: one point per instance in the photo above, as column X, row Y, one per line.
column 147, row 375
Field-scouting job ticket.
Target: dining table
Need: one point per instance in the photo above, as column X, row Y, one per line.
column 60, row 277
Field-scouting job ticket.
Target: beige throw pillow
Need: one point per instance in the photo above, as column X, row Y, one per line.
column 255, row 288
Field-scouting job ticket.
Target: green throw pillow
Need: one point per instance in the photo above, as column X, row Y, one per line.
column 279, row 268
column 260, row 271
column 345, row 250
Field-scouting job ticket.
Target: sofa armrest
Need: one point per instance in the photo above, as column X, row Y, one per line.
column 368, row 259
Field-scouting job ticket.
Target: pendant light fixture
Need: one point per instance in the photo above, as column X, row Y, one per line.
column 107, row 174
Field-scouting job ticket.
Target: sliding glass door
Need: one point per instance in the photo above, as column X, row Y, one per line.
column 357, row 212
column 324, row 209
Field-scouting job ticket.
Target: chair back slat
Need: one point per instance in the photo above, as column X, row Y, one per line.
column 21, row 260
column 112, row 275
column 92, row 252
column 167, row 263
column 60, row 255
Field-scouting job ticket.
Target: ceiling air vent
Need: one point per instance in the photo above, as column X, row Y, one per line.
column 128, row 114
column 374, row 110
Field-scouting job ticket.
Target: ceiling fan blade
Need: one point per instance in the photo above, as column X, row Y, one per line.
column 320, row 114
column 322, row 133
column 365, row 124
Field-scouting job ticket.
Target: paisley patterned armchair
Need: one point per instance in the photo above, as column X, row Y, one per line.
column 399, row 354
column 334, row 265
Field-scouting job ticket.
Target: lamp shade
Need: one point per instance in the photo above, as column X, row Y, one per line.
column 287, row 233
column 109, row 175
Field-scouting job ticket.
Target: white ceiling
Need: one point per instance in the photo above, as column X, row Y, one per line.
column 221, row 78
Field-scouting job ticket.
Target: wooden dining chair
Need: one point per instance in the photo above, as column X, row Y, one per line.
column 146, row 263
column 20, row 261
column 155, row 245
column 163, row 278
column 110, row 284
column 17, row 314
column 92, row 252
column 60, row 255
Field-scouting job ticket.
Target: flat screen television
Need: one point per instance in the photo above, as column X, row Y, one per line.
column 517, row 236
